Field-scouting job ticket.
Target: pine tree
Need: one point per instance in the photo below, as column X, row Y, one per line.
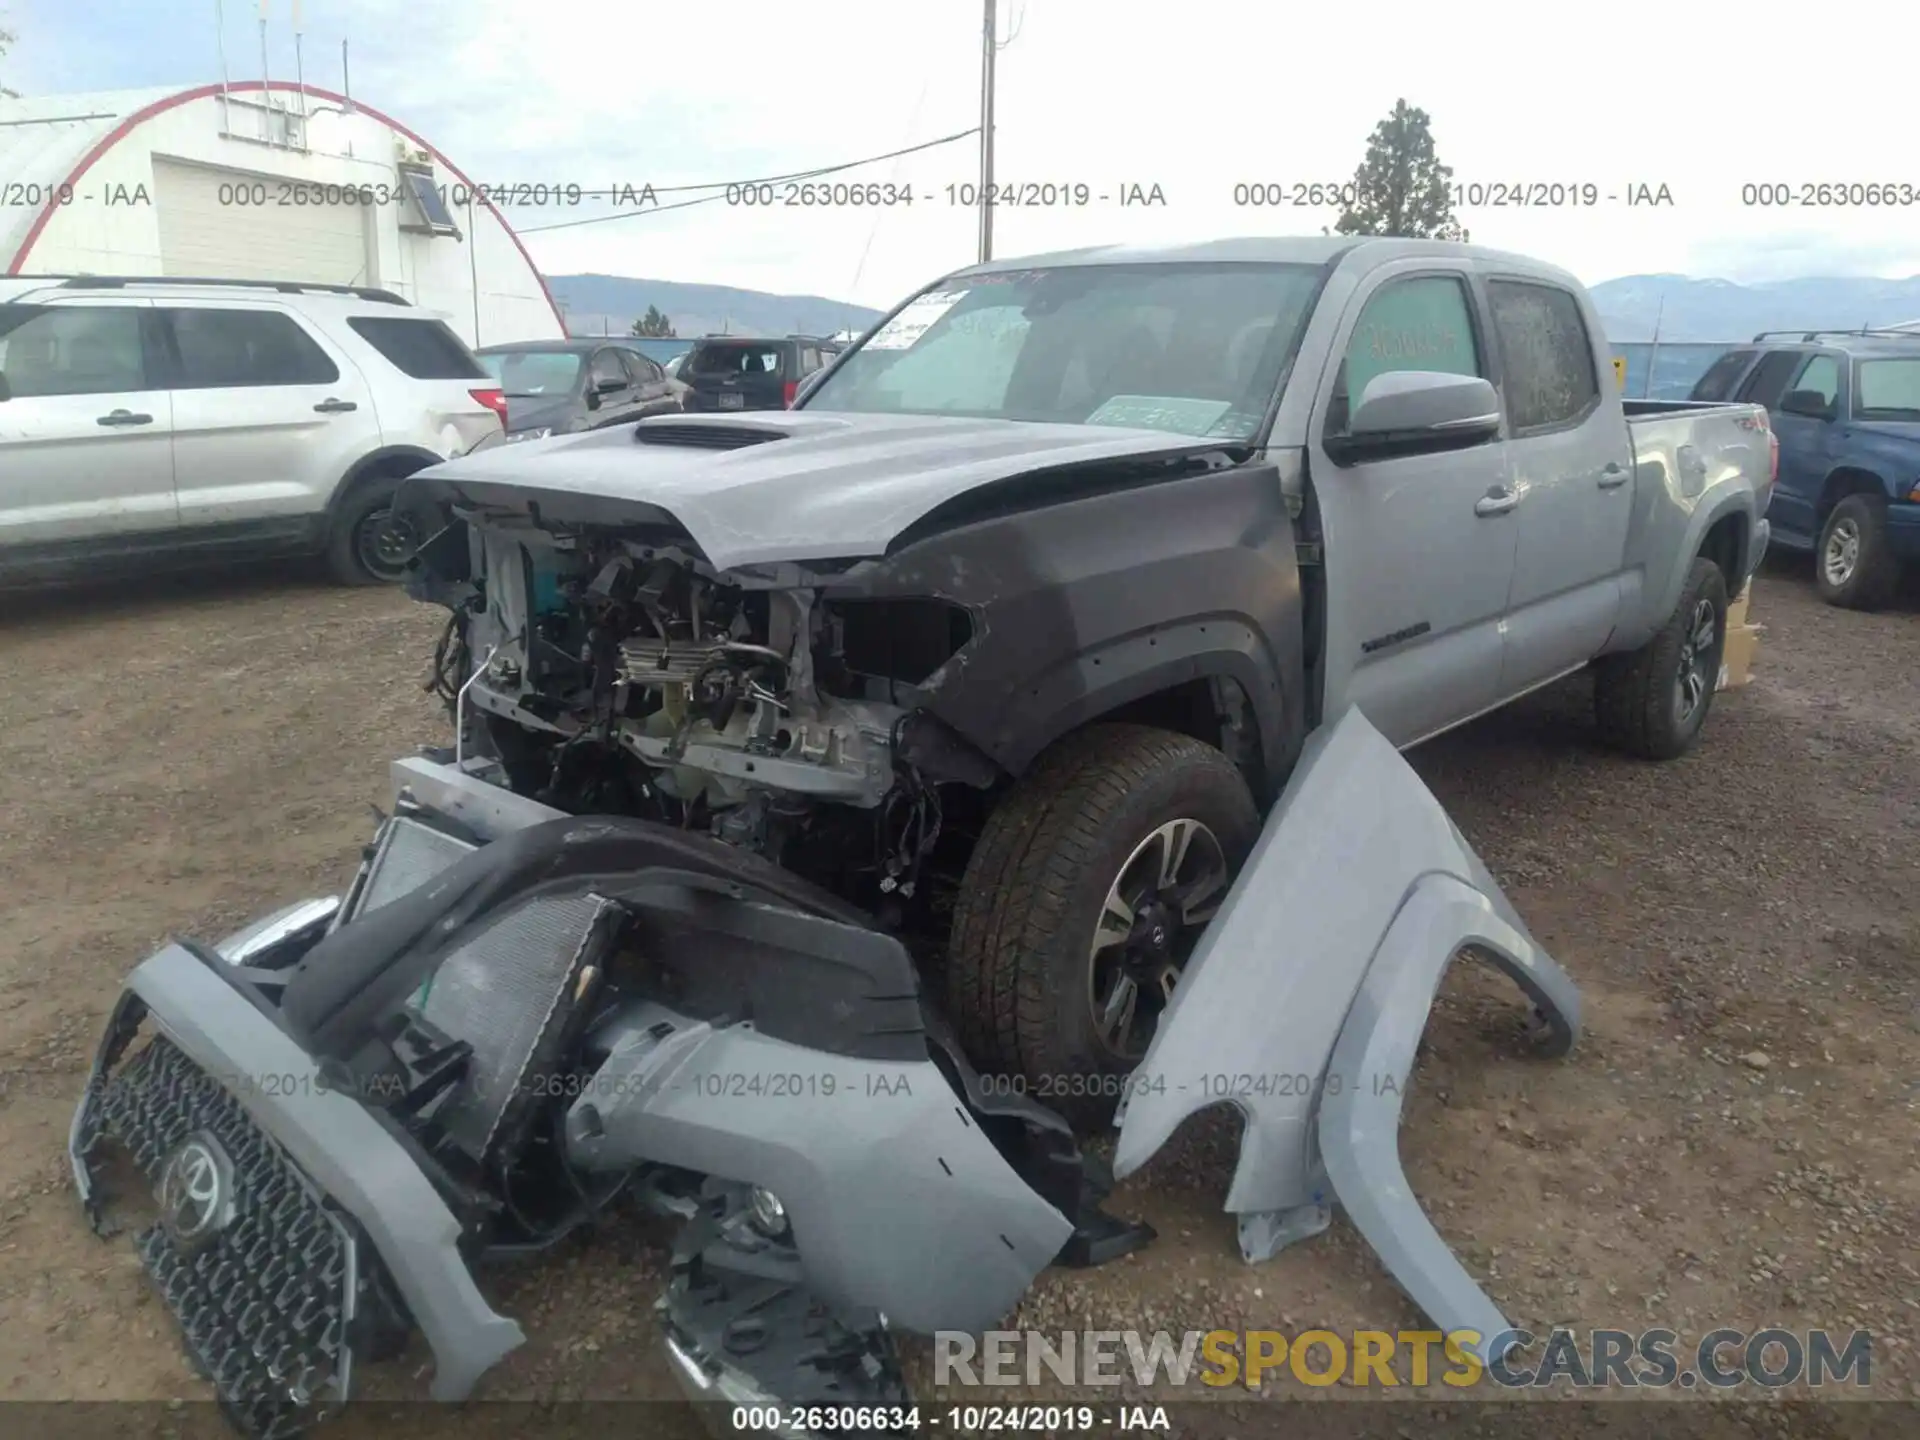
column 653, row 323
column 1401, row 188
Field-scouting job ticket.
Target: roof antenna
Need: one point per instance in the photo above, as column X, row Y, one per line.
column 346, row 79
column 220, row 44
column 299, row 68
column 266, row 90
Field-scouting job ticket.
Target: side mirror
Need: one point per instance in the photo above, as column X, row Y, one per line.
column 607, row 387
column 1810, row 403
column 1411, row 411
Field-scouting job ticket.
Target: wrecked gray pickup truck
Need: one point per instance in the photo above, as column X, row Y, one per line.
column 847, row 803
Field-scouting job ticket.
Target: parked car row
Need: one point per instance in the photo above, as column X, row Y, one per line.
column 166, row 421
column 1846, row 408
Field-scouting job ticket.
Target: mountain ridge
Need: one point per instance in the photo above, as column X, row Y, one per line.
column 1687, row 309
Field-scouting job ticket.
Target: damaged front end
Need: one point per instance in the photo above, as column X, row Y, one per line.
column 515, row 1020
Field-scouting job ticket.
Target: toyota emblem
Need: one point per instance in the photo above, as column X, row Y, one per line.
column 196, row 1191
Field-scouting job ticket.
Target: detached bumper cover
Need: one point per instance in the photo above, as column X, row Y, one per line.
column 1306, row 1000
column 231, row 1059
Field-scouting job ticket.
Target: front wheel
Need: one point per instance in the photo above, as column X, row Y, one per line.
column 1086, row 893
column 1653, row 702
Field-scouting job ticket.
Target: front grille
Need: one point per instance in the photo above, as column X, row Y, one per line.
column 266, row 1302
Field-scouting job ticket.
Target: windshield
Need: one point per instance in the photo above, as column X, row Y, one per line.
column 1888, row 390
column 534, row 372
column 1195, row 349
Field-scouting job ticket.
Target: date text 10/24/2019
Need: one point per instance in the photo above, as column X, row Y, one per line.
column 1463, row 194
column 960, row 1419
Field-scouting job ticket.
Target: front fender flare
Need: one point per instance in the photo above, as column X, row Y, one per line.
column 1305, row 1001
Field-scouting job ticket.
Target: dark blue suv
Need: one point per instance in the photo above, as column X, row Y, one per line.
column 1845, row 407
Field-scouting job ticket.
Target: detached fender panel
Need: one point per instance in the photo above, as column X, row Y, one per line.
column 1306, row 998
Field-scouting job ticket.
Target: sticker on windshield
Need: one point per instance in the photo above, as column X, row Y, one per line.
column 910, row 324
column 1181, row 415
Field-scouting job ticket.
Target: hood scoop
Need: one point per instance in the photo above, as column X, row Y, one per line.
column 706, row 437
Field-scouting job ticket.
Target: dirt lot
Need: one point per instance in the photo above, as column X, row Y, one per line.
column 1732, row 1144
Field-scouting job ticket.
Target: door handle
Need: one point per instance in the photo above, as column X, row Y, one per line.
column 1496, row 502
column 124, row 417
column 1613, row 477
column 331, row 406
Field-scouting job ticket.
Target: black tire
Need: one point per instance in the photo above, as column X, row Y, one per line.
column 1021, row 971
column 1853, row 565
column 366, row 546
column 1640, row 698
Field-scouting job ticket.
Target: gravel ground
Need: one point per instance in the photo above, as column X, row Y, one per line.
column 1732, row 1143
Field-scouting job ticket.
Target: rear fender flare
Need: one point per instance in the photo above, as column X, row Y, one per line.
column 1305, row 1001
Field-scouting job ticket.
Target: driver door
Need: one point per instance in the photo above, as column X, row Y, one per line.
column 1419, row 548
column 86, row 428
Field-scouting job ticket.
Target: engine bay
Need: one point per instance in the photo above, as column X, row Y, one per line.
column 616, row 674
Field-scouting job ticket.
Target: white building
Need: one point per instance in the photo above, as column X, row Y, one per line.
column 260, row 181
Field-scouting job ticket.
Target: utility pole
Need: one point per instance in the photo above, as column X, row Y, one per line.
column 988, row 48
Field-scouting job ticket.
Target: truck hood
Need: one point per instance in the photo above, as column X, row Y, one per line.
column 786, row 485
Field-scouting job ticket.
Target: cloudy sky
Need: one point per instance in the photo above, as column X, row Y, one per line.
column 1196, row 98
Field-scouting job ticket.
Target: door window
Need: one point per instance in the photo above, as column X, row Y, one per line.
column 607, row 369
column 226, row 349
column 1769, row 379
column 71, row 350
column 1822, row 377
column 1424, row 322
column 1546, row 353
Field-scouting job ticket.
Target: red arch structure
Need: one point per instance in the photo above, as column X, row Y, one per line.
column 203, row 92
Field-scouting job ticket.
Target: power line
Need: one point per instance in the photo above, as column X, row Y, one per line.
column 725, row 185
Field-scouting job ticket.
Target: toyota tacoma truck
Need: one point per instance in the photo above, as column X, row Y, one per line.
column 1013, row 628
column 849, row 803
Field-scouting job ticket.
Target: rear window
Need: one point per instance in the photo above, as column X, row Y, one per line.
column 420, row 348
column 1722, row 376
column 736, row 358
column 1551, row 378
column 1769, row 379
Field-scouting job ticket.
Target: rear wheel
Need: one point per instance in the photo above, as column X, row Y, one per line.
column 1090, row 885
column 1653, row 702
column 371, row 544
column 1853, row 565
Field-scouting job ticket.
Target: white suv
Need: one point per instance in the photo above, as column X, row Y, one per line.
column 165, row 420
